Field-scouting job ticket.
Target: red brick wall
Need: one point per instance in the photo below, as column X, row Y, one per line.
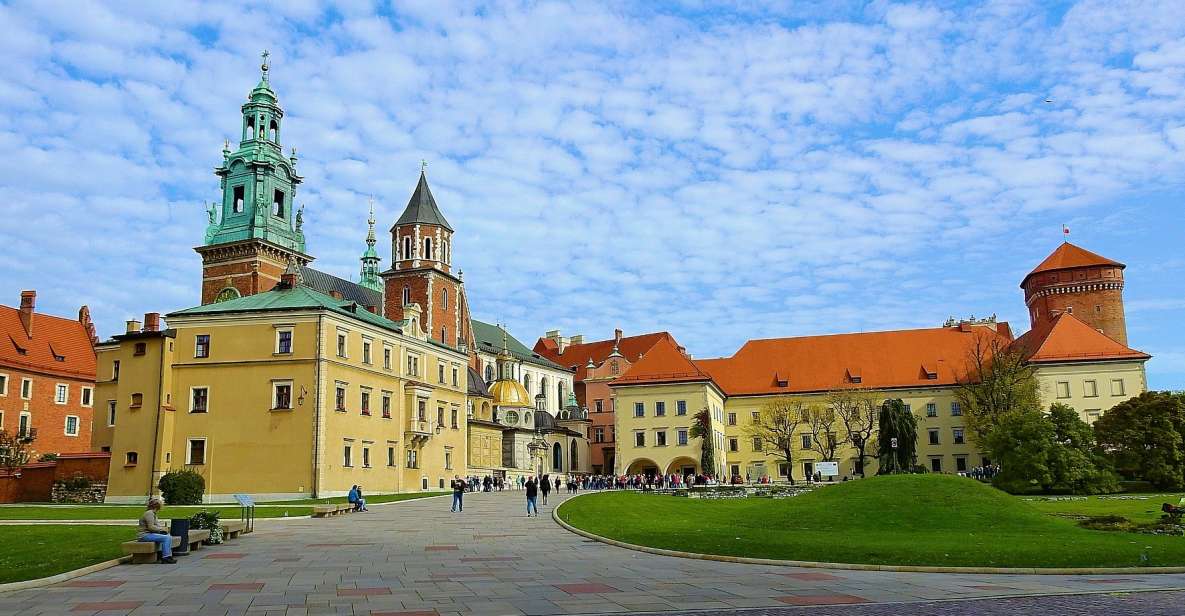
column 393, row 295
column 1093, row 294
column 247, row 277
column 95, row 466
column 48, row 417
column 34, row 485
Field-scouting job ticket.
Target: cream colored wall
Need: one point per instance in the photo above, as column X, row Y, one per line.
column 485, row 448
column 1075, row 377
column 672, row 456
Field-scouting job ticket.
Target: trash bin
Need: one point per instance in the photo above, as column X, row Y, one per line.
column 180, row 528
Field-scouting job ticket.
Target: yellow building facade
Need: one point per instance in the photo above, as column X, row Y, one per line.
column 286, row 394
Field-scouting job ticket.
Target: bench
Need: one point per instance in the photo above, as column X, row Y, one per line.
column 144, row 552
column 196, row 537
column 232, row 528
column 321, row 511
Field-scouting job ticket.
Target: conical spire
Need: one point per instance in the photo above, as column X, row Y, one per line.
column 421, row 208
column 370, row 258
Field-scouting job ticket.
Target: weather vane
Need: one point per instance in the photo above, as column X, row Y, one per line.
column 423, row 165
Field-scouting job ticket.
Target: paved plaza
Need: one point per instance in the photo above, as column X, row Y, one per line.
column 415, row 557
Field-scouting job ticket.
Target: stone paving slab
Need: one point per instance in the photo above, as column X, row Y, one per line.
column 491, row 560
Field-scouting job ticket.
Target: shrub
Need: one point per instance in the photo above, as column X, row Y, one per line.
column 183, row 487
column 1106, row 522
column 77, row 483
column 208, row 520
column 47, row 457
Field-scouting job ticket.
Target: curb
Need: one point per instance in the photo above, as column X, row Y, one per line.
column 63, row 577
column 555, row 516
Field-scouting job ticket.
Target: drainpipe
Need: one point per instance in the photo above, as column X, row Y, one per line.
column 160, row 385
column 317, row 409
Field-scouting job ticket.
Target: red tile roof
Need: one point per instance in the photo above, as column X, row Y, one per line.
column 578, row 355
column 663, row 363
column 1069, row 256
column 1067, row 338
column 53, row 336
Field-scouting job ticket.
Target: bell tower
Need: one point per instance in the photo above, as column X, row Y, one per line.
column 255, row 231
column 421, row 271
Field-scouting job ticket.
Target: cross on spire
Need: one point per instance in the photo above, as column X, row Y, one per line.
column 263, row 67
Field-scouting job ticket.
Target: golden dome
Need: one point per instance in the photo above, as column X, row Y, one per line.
column 510, row 393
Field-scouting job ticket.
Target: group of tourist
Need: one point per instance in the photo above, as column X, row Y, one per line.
column 982, row 473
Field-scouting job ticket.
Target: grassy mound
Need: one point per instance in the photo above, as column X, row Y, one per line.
column 31, row 552
column 935, row 520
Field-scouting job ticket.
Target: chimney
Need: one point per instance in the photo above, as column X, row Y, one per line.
column 577, row 339
column 151, row 321
column 373, row 309
column 84, row 317
column 335, row 294
column 288, row 280
column 28, row 302
column 133, row 326
column 617, row 337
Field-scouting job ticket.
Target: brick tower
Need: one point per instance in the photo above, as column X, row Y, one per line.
column 254, row 232
column 1080, row 282
column 421, row 272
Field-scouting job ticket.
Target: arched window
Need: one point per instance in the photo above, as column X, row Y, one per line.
column 427, row 248
column 557, row 458
column 249, row 128
column 575, row 460
column 444, row 298
column 561, row 398
column 406, row 295
column 275, row 132
column 527, row 382
column 262, row 130
column 444, row 335
column 406, row 247
column 489, row 373
column 543, row 386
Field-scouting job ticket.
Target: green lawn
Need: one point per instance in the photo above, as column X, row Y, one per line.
column 936, row 520
column 31, row 552
column 131, row 513
column 1139, row 511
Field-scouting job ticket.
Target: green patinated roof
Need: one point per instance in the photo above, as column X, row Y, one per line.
column 421, row 208
column 489, row 340
column 299, row 298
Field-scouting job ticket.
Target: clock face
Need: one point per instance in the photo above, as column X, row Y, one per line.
column 228, row 293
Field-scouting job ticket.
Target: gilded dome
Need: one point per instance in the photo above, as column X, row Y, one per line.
column 510, row 393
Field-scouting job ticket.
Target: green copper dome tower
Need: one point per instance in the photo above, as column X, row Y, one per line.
column 370, row 259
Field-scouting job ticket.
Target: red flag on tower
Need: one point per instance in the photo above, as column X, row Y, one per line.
column 1066, row 232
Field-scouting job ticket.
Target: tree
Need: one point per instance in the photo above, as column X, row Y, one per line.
column 777, row 425
column 820, row 424
column 1145, row 436
column 857, row 410
column 14, row 451
column 701, row 427
column 998, row 381
column 897, row 438
column 1054, row 451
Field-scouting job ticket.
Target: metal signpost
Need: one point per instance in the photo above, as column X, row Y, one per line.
column 247, row 511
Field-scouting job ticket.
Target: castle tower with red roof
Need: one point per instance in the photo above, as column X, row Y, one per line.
column 1076, row 281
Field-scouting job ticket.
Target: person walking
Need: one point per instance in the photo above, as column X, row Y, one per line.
column 458, row 494
column 532, row 494
column 150, row 529
column 545, row 487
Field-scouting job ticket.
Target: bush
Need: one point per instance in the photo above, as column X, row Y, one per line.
column 47, row 457
column 208, row 520
column 182, row 487
column 1106, row 522
column 77, row 483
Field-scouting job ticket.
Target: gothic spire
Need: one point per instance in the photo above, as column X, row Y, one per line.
column 370, row 258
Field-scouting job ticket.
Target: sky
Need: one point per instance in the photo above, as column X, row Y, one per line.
column 722, row 171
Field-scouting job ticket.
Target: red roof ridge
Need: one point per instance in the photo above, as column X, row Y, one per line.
column 1067, row 338
column 1070, row 256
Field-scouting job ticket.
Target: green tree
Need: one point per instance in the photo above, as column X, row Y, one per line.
column 820, row 424
column 1048, row 452
column 997, row 382
column 1145, row 436
column 777, row 425
column 701, row 428
column 897, row 438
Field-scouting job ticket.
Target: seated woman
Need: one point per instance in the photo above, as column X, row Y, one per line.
column 152, row 530
column 355, row 498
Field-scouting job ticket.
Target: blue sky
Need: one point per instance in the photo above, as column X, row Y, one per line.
column 723, row 172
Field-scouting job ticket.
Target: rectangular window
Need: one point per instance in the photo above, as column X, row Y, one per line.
column 71, row 425
column 909, row 407
column 734, row 444
column 341, row 344
column 364, row 401
column 413, row 365
column 956, row 409
column 806, row 441
column 639, row 439
column 448, row 460
column 680, row 407
column 660, row 409
column 755, row 416
column 141, row 348
column 137, row 400
column 199, row 400
column 1090, row 389
column 958, row 433
column 599, row 434
column 110, row 413
column 660, row 438
column 933, row 436
column 365, row 456
column 282, row 395
column 639, row 409
column 453, row 419
column 440, row 373
column 284, row 341
column 237, row 204
column 386, row 405
column 390, row 456
column 197, row 451
column 732, row 419
column 87, row 394
column 456, row 376
column 756, row 443
column 339, row 397
column 278, row 203
column 1063, row 389
column 3, row 384
column 422, row 410
column 931, row 409
column 365, row 351
column 961, row 464
column 440, row 416
column 599, row 405
column 1117, row 387
column 681, row 436
column 130, row 458
column 26, row 389
column 201, row 345
column 61, row 393
column 412, row 459
column 347, row 456
column 936, row 465
column 115, row 370
column 386, row 358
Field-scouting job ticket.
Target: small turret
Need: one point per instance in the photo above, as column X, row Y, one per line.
column 370, row 258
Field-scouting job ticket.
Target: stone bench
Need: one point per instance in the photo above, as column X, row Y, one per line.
column 144, row 552
column 232, row 528
column 322, row 511
column 196, row 537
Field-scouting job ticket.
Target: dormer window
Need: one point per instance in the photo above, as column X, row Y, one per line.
column 278, row 203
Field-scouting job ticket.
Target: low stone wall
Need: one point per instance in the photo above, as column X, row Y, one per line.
column 36, row 482
column 70, row 492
